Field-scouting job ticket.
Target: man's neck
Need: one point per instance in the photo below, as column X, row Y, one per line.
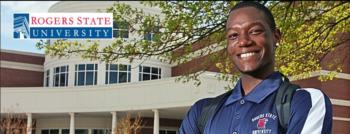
column 249, row 82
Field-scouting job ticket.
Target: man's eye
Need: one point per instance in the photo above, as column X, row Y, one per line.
column 232, row 36
column 256, row 31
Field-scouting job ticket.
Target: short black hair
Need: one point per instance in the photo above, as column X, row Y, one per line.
column 270, row 19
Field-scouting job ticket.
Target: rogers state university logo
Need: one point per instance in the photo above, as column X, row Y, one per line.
column 63, row 25
column 262, row 123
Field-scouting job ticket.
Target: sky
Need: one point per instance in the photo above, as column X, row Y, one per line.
column 8, row 8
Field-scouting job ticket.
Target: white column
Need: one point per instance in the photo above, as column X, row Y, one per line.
column 71, row 74
column 134, row 72
column 101, row 73
column 51, row 77
column 156, row 121
column 114, row 122
column 29, row 123
column 71, row 126
column 44, row 80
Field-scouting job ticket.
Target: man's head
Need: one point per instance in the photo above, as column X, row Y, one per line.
column 251, row 37
column 268, row 15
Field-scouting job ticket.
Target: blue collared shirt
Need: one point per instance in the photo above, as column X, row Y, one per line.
column 256, row 113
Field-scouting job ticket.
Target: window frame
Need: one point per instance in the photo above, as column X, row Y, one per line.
column 105, row 130
column 121, row 27
column 85, row 71
column 167, row 131
column 49, row 130
column 150, row 73
column 47, row 78
column 150, row 34
column 118, row 71
column 75, row 130
column 59, row 73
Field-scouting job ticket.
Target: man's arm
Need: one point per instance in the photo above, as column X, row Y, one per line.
column 189, row 123
column 311, row 113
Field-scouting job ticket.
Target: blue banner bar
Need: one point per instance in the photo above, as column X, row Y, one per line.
column 71, row 32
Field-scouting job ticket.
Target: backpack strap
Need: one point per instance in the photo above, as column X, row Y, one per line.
column 210, row 109
column 283, row 102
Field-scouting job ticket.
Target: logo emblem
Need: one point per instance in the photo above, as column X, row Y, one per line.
column 63, row 25
column 262, row 123
column 20, row 26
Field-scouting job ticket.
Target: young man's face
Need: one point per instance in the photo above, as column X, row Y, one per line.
column 250, row 40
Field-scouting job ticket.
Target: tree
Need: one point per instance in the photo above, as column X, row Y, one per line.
column 12, row 123
column 311, row 29
column 126, row 125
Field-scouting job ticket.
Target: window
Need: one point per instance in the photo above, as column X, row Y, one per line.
column 85, row 74
column 77, row 131
column 65, row 131
column 98, row 131
column 47, row 78
column 101, row 131
column 60, row 76
column 49, row 131
column 117, row 73
column 149, row 73
column 167, row 132
column 81, row 131
column 120, row 29
column 149, row 34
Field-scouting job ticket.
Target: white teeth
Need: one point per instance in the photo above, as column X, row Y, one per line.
column 247, row 54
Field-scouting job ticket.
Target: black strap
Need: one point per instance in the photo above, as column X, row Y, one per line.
column 208, row 111
column 283, row 101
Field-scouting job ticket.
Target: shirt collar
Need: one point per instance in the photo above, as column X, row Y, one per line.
column 259, row 93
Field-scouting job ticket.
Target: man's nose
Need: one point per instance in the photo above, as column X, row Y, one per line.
column 244, row 40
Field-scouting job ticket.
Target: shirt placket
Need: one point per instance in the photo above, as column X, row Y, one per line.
column 241, row 111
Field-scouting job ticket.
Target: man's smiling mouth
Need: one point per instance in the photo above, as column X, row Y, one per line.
column 247, row 54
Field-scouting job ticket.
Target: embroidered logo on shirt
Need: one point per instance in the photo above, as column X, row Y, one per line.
column 262, row 123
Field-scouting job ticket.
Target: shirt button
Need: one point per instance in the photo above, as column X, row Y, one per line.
column 242, row 102
column 237, row 115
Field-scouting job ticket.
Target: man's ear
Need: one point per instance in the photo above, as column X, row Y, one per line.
column 277, row 35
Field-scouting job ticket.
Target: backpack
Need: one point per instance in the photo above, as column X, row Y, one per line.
column 282, row 101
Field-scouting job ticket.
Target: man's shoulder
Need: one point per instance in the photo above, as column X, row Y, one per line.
column 201, row 103
column 311, row 111
column 310, row 96
column 310, row 92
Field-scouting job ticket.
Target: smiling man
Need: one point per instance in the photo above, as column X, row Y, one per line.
column 250, row 108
